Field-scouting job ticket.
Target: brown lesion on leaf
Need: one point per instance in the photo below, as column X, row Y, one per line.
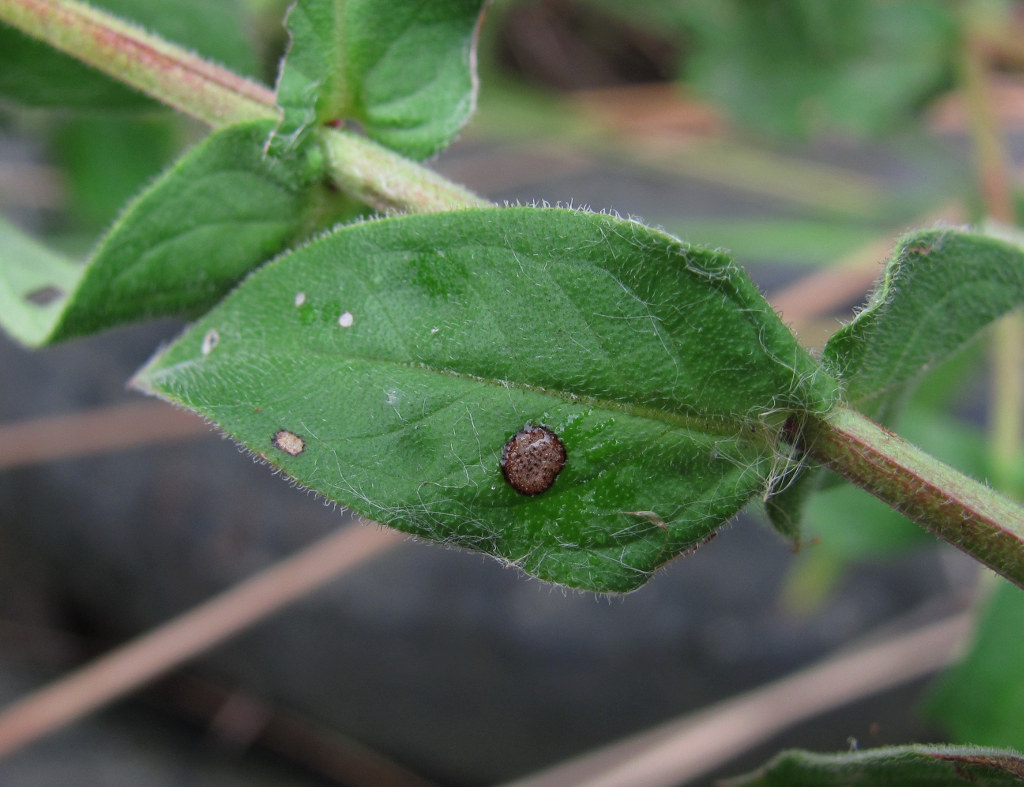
column 289, row 442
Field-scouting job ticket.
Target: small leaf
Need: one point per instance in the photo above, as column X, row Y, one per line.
column 34, row 285
column 223, row 209
column 405, row 71
column 406, row 353
column 940, row 288
column 981, row 699
column 34, row 74
column 917, row 765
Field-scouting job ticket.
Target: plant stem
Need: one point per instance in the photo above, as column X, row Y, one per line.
column 386, row 180
column 128, row 53
column 958, row 509
column 178, row 78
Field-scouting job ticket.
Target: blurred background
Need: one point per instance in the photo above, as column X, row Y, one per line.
column 801, row 135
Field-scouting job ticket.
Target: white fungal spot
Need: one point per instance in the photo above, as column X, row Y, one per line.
column 289, row 442
column 434, row 330
column 300, row 298
column 346, row 319
column 210, row 341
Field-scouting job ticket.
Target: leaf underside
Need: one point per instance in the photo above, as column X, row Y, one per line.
column 406, row 352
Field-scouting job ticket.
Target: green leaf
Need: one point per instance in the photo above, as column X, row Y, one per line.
column 798, row 67
column 404, row 354
column 34, row 74
column 940, row 288
column 405, row 71
column 917, row 765
column 981, row 699
column 223, row 209
column 29, row 271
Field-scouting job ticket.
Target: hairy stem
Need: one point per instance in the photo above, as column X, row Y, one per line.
column 958, row 509
column 183, row 80
column 128, row 53
column 386, row 180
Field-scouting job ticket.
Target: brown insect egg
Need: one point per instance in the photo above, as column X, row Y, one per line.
column 532, row 459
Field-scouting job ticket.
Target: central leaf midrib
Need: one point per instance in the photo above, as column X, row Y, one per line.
column 717, row 425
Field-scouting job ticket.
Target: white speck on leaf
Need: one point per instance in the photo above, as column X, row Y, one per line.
column 210, row 341
column 346, row 319
column 434, row 330
column 300, row 298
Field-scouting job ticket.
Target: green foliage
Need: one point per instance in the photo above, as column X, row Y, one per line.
column 981, row 699
column 33, row 74
column 659, row 365
column 940, row 289
column 386, row 365
column 405, row 71
column 798, row 67
column 185, row 241
column 896, row 766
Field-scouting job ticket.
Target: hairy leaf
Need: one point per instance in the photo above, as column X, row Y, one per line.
column 897, row 766
column 224, row 208
column 940, row 289
column 34, row 74
column 405, row 71
column 387, row 365
column 981, row 699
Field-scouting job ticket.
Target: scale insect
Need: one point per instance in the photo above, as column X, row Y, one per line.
column 532, row 459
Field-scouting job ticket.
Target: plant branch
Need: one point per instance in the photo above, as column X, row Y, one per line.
column 958, row 509
column 387, row 181
column 183, row 80
column 142, row 60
